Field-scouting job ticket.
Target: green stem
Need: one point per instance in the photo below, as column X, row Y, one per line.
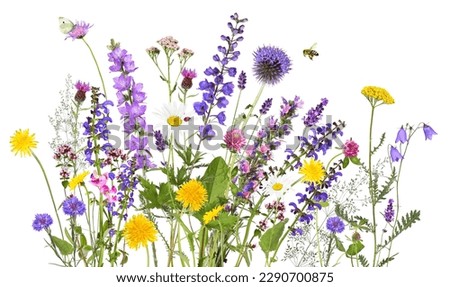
column 155, row 258
column 247, row 231
column 148, row 255
column 319, row 253
column 50, row 191
column 371, row 188
column 98, row 67
column 255, row 101
column 201, row 254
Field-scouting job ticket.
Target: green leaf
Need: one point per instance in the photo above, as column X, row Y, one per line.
column 269, row 240
column 164, row 197
column 339, row 244
column 363, row 260
column 225, row 221
column 355, row 248
column 345, row 162
column 355, row 160
column 216, row 178
column 64, row 247
column 150, row 194
column 403, row 224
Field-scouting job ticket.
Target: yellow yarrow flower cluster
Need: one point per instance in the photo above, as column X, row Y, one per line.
column 192, row 195
column 212, row 214
column 378, row 93
column 22, row 142
column 78, row 179
column 138, row 231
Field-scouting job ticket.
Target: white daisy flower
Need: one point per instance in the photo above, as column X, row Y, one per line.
column 277, row 186
column 170, row 117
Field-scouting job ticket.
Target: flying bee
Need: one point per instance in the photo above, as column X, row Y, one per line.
column 311, row 53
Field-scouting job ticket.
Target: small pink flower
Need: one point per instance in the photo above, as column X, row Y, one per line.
column 235, row 140
column 263, row 148
column 109, row 193
column 351, row 148
column 188, row 73
column 98, row 181
column 249, row 151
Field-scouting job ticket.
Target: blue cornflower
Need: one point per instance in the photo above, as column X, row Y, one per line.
column 270, row 64
column 335, row 224
column 73, row 207
column 42, row 221
column 428, row 131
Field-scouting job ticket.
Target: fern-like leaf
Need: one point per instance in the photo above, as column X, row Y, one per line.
column 363, row 260
column 376, row 148
column 387, row 187
column 403, row 224
column 385, row 261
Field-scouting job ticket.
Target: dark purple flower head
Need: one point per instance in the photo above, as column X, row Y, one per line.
column 160, row 142
column 335, row 225
column 79, row 30
column 242, row 80
column 266, row 106
column 389, row 211
column 401, row 136
column 188, row 75
column 428, row 131
column 82, row 88
column 270, row 64
column 395, row 154
column 42, row 221
column 315, row 114
column 297, row 231
column 73, row 207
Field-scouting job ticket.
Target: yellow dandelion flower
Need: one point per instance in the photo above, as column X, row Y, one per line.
column 138, row 231
column 78, row 179
column 212, row 214
column 192, row 195
column 22, row 142
column 378, row 94
column 312, row 171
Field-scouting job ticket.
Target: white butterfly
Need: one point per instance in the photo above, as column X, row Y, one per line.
column 65, row 25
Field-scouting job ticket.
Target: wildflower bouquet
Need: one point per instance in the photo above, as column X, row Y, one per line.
column 205, row 181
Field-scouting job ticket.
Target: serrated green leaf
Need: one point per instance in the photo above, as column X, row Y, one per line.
column 216, row 179
column 269, row 240
column 64, row 247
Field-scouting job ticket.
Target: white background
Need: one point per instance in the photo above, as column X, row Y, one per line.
column 402, row 46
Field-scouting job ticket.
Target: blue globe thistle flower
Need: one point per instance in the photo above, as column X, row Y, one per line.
column 73, row 207
column 428, row 131
column 401, row 136
column 335, row 224
column 270, row 64
column 395, row 154
column 42, row 221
